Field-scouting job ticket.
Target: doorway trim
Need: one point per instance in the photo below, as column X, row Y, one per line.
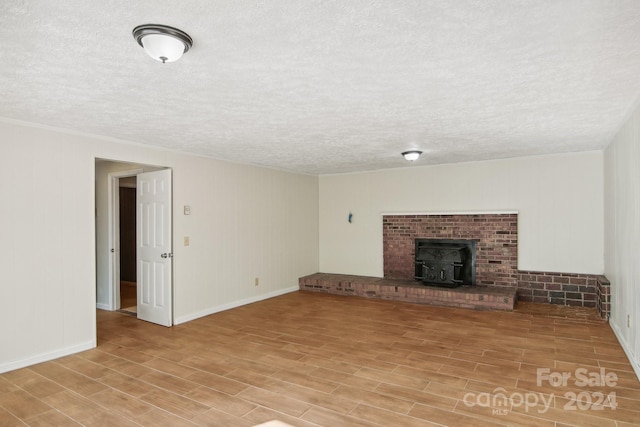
column 113, row 209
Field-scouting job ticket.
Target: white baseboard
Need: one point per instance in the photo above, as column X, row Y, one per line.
column 101, row 306
column 45, row 357
column 223, row 307
column 626, row 348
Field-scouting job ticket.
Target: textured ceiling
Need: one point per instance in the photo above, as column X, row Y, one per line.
column 330, row 86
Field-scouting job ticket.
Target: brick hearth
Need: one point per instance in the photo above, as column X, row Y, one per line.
column 475, row 297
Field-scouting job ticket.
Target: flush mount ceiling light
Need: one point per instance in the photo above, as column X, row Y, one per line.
column 161, row 42
column 411, row 155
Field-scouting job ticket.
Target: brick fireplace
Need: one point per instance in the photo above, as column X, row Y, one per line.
column 496, row 237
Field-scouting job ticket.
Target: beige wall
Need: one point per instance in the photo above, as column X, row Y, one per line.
column 559, row 200
column 622, row 235
column 246, row 222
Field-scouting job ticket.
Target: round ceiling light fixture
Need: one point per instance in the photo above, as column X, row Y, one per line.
column 412, row 155
column 161, row 42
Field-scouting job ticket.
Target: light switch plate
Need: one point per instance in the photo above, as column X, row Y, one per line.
column 187, row 210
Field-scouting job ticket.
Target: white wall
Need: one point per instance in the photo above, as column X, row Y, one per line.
column 559, row 200
column 622, row 233
column 246, row 222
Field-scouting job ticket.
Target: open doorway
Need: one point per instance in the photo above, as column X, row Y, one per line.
column 127, row 253
column 122, row 225
column 133, row 240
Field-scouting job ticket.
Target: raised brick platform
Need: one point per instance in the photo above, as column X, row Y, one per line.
column 475, row 297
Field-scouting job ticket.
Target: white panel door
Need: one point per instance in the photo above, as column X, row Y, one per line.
column 154, row 247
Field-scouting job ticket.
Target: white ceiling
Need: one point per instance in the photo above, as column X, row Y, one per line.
column 330, row 86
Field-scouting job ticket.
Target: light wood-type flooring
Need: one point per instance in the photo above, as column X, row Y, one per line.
column 311, row 359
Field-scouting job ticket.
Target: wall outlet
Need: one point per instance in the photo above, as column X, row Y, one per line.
column 186, row 240
column 257, row 281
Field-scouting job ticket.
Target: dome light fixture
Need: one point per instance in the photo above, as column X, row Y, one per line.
column 411, row 155
column 161, row 42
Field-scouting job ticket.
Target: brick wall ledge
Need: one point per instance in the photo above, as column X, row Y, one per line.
column 473, row 297
column 579, row 290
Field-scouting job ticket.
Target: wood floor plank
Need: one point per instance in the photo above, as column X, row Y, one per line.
column 373, row 398
column 447, row 418
column 211, row 364
column 388, row 418
column 109, row 419
column 305, row 380
column 51, row 419
column 74, row 406
column 127, row 367
column 87, row 368
column 169, row 382
column 416, row 396
column 312, row 397
column 350, row 380
column 80, row 384
column 51, row 370
column 323, row 417
column 507, row 417
column 7, row 386
column 22, row 404
column 121, row 403
column 35, row 384
column 216, row 418
column 170, row 367
column 8, row 419
column 221, row 401
column 97, row 355
column 262, row 415
column 217, row 382
column 160, row 418
column 399, row 376
column 275, row 401
column 126, row 384
column 176, row 404
column 331, row 363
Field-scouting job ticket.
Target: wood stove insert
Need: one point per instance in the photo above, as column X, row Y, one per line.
column 446, row 263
